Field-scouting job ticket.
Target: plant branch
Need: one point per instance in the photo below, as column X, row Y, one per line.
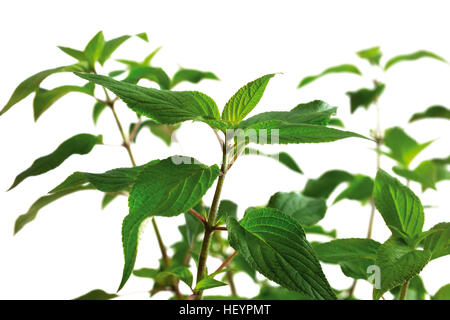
column 404, row 290
column 198, row 216
column 226, row 261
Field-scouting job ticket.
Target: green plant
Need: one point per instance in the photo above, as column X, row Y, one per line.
column 269, row 239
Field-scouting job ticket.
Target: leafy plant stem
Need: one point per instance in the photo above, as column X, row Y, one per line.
column 403, row 290
column 209, row 226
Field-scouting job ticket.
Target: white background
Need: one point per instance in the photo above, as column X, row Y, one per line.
column 73, row 246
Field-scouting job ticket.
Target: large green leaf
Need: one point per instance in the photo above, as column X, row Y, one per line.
column 32, row 212
column 44, row 98
column 307, row 211
column 427, row 173
column 275, row 245
column 433, row 112
column 323, row 186
column 165, row 189
column 78, row 144
column 303, row 124
column 282, row 157
column 373, row 55
column 398, row 263
column 32, row 83
column 191, row 75
column 400, row 207
column 343, row 68
column 245, row 99
column 364, row 97
column 94, row 49
column 97, row 294
column 353, row 255
column 438, row 240
column 155, row 74
column 412, row 56
column 403, row 148
column 443, row 293
column 166, row 107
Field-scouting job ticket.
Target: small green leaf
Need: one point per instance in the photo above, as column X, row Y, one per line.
column 336, row 122
column 155, row 74
column 180, row 272
column 148, row 59
column 32, row 212
column 94, row 48
column 245, row 99
column 364, row 97
column 74, row 53
column 226, row 209
column 110, row 46
column 400, row 207
column 32, row 83
column 412, row 56
column 323, row 186
column 343, row 68
column 373, row 55
column 438, row 241
column 275, row 245
column 97, row 294
column 79, row 144
column 166, row 107
column 97, row 111
column 360, row 189
column 443, row 293
column 427, row 173
column 282, row 157
column 353, row 255
column 146, row 273
column 307, row 211
column 316, row 229
column 208, row 283
column 433, row 112
column 44, row 98
column 191, row 75
column 143, row 36
column 398, row 263
column 166, row 188
column 116, row 73
column 403, row 148
column 163, row 131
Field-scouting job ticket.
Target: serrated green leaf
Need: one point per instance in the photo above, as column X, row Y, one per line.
column 360, row 189
column 166, row 107
column 282, row 157
column 427, row 173
column 353, row 255
column 323, row 186
column 74, row 53
column 438, row 241
column 303, row 124
column 403, row 148
column 165, row 189
column 208, row 283
column 32, row 83
column 398, row 263
column 97, row 111
column 364, row 97
column 32, row 212
column 79, row 144
column 110, row 46
column 400, row 208
column 191, row 75
column 443, row 293
column 305, row 210
column 267, row 292
column 412, row 56
column 416, row 290
column 275, row 245
column 373, row 55
column 44, row 98
column 155, row 74
column 343, row 68
column 245, row 99
column 433, row 112
column 97, row 294
column 94, row 49
column 163, row 131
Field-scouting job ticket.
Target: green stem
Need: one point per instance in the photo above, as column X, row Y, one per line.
column 403, row 290
column 162, row 247
column 126, row 142
column 209, row 226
